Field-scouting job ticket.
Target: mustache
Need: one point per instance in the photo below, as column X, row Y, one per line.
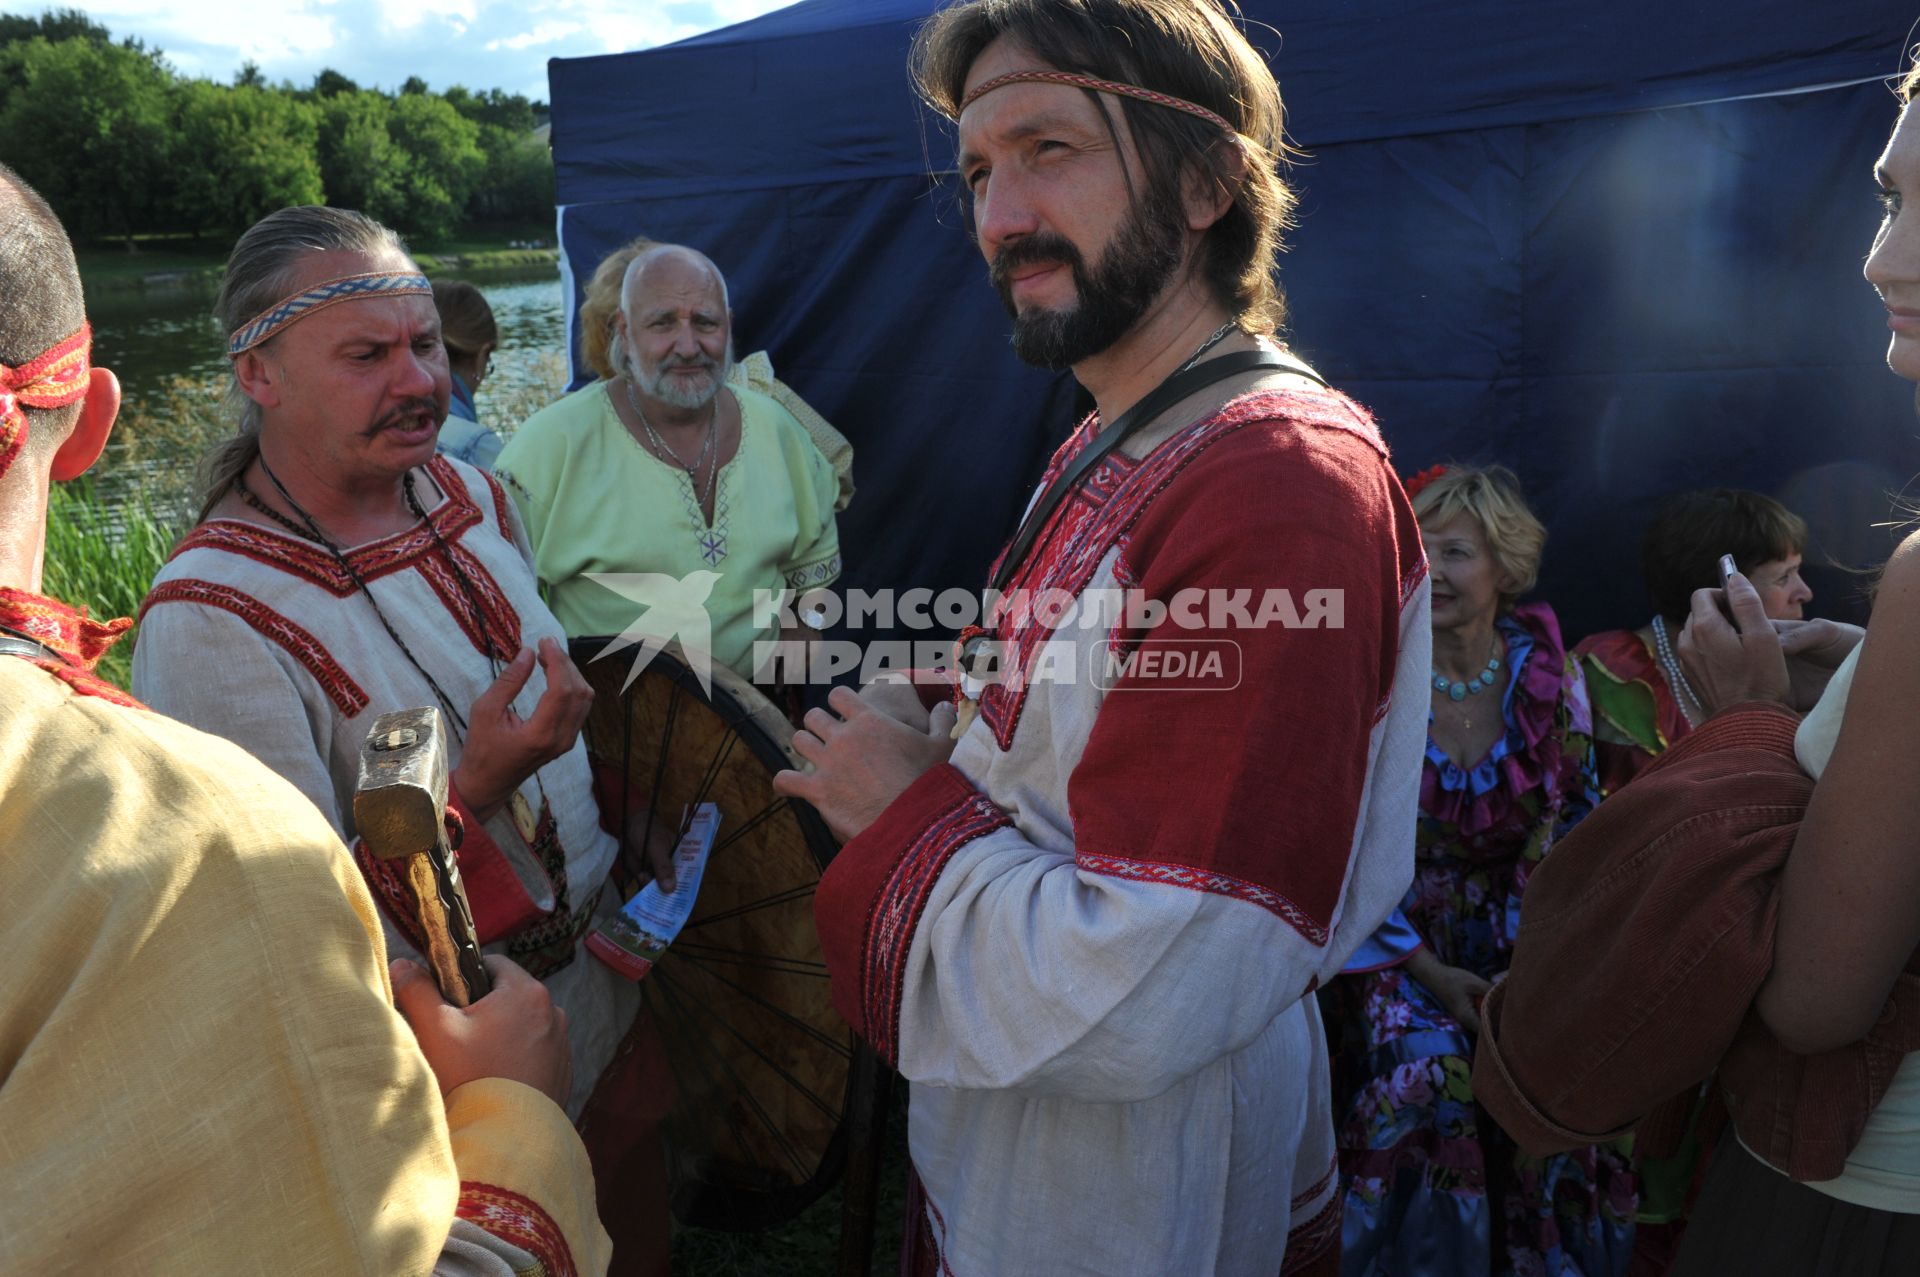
column 1040, row 249
column 417, row 406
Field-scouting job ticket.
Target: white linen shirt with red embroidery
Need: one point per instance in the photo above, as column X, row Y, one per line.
column 262, row 637
column 1090, row 940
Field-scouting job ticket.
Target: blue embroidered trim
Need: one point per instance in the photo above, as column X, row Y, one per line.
column 346, row 288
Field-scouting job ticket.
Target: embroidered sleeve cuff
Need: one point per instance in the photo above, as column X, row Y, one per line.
column 501, row 905
column 811, row 576
column 524, row 1175
column 869, row 902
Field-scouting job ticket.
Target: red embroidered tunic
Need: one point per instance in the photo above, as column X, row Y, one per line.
column 1086, row 941
column 262, row 637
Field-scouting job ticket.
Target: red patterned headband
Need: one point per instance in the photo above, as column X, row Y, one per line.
column 51, row 380
column 1078, row 81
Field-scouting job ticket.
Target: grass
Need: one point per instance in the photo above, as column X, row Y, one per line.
column 809, row 1246
column 104, row 556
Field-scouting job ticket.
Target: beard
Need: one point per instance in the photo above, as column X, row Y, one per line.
column 1132, row 272
column 661, row 382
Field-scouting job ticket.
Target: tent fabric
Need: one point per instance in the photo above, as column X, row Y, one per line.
column 1615, row 247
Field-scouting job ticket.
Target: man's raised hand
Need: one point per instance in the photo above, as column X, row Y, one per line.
column 502, row 749
column 862, row 759
column 515, row 1032
column 1728, row 662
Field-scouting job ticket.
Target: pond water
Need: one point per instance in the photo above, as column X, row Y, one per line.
column 149, row 335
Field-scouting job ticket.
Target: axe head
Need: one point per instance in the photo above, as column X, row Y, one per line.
column 400, row 803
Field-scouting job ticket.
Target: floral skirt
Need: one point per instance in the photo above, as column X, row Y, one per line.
column 1433, row 1188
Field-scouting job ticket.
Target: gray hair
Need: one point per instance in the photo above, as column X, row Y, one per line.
column 262, row 270
column 616, row 344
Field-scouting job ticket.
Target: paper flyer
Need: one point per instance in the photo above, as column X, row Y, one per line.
column 632, row 940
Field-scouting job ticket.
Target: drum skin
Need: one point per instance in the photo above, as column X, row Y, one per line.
column 761, row 1062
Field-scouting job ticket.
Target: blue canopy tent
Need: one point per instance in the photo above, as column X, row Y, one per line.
column 1616, row 247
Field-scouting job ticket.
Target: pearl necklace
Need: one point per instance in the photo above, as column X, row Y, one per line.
column 1676, row 678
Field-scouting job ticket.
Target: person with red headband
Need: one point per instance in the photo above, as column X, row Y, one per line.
column 202, row 1069
column 1182, row 789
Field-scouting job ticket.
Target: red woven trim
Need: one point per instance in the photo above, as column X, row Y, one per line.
column 496, row 618
column 67, row 630
column 519, row 1221
column 1210, row 881
column 451, row 519
column 87, row 683
column 1078, row 81
column 340, row 688
column 1307, row 1198
column 1313, row 1247
column 1078, row 536
column 499, row 505
column 897, row 909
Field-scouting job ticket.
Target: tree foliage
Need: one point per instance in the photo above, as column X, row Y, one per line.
column 123, row 146
column 89, row 126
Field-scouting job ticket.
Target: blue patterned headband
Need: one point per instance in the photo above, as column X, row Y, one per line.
column 345, row 289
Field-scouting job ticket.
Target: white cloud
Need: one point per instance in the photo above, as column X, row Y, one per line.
column 545, row 33
column 479, row 43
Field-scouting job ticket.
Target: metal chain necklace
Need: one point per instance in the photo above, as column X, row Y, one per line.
column 706, row 448
column 1219, row 335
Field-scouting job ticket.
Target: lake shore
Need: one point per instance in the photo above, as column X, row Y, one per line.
column 173, row 264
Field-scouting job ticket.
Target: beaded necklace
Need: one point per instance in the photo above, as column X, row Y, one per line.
column 1460, row 691
column 1676, row 677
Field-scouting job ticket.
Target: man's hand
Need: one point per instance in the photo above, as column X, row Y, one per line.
column 1728, row 665
column 1457, row 989
column 503, row 749
column 862, row 760
column 894, row 695
column 658, row 844
column 515, row 1032
column 1814, row 650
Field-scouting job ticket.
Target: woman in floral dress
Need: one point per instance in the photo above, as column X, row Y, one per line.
column 1432, row 1187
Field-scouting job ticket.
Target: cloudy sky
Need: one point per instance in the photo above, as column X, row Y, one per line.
column 479, row 43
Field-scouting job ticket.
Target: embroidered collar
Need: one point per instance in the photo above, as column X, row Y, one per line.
column 69, row 631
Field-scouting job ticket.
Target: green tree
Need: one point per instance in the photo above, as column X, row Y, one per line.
column 249, row 76
column 509, row 111
column 254, row 150
column 53, row 26
column 88, row 126
column 360, row 167
column 444, row 162
column 518, row 184
column 330, row 83
column 414, row 85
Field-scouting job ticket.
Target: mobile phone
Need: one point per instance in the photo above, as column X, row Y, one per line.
column 1727, row 569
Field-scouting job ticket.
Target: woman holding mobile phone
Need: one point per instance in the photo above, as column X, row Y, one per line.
column 1849, row 895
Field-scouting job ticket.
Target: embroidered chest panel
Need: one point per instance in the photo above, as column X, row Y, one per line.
column 1092, row 521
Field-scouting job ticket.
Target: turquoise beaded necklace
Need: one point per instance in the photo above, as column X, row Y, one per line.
column 1460, row 691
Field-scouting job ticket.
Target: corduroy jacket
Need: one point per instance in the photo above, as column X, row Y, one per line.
column 1643, row 940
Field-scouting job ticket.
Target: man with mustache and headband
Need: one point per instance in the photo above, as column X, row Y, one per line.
column 341, row 569
column 713, row 482
column 201, row 1065
column 1088, row 929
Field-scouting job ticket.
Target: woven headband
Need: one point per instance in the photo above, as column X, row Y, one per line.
column 1076, row 80
column 50, row 380
column 344, row 289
